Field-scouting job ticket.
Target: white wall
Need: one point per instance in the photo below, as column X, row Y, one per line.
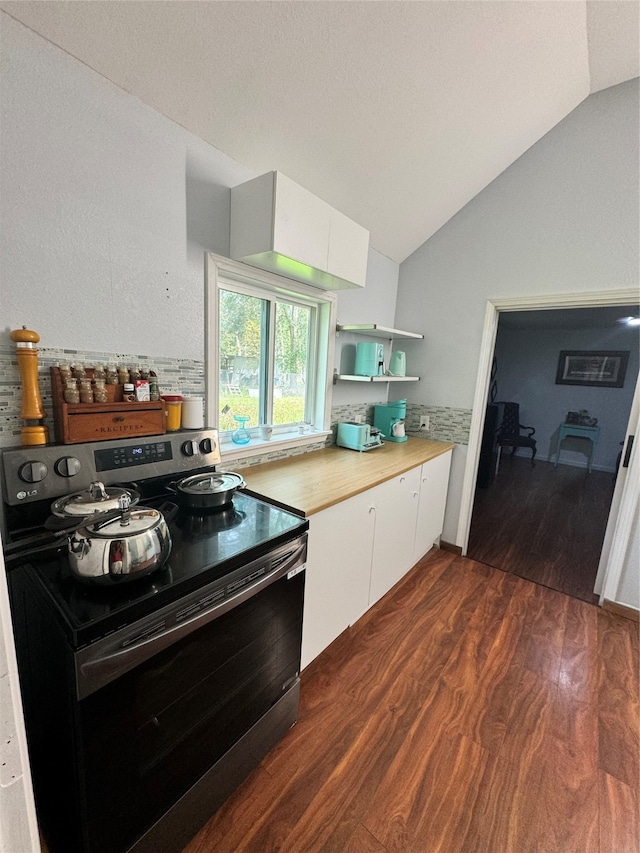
column 93, row 211
column 527, row 361
column 563, row 218
column 107, row 209
column 376, row 304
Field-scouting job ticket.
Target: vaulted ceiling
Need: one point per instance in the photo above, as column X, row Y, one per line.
column 396, row 113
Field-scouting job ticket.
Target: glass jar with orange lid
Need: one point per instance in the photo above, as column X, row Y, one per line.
column 173, row 405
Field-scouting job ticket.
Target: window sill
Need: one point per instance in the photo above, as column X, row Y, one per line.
column 260, row 447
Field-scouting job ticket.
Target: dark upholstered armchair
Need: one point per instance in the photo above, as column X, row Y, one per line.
column 509, row 433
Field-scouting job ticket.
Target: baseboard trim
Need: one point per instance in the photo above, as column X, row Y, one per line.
column 448, row 546
column 621, row 610
column 572, row 463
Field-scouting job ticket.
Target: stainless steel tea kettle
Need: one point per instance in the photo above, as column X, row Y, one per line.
column 113, row 547
column 110, row 537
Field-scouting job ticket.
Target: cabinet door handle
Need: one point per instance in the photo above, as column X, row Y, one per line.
column 402, row 479
column 425, row 479
column 416, row 494
column 371, row 509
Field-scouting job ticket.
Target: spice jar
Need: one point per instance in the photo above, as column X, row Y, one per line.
column 129, row 393
column 100, row 394
column 98, row 372
column 173, row 403
column 123, row 374
column 65, row 370
column 78, row 371
column 71, row 392
column 86, row 391
column 154, row 390
column 111, row 375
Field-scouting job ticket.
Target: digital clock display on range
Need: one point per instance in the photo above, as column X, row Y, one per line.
column 139, row 454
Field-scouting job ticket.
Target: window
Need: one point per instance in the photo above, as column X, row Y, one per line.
column 266, row 357
column 269, row 344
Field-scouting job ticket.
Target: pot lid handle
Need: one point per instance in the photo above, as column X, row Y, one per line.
column 98, row 491
column 124, row 503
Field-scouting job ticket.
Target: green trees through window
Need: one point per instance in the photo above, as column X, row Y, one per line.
column 266, row 348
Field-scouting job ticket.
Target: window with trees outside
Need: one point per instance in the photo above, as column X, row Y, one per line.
column 272, row 351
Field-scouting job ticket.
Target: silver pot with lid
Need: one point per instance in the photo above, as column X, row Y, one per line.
column 97, row 498
column 208, row 490
column 116, row 546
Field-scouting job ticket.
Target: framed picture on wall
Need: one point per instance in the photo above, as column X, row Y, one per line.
column 602, row 368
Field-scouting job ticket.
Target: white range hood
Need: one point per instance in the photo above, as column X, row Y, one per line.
column 279, row 226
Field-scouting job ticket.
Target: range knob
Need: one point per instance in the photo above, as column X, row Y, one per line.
column 33, row 472
column 190, row 448
column 207, row 445
column 67, row 466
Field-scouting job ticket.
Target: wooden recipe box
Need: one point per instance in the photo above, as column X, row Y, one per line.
column 79, row 422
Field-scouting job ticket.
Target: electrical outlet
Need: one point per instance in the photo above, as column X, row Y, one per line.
column 424, row 422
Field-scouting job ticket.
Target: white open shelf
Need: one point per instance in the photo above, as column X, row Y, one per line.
column 347, row 377
column 373, row 330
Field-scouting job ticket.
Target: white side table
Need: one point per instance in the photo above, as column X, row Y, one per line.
column 588, row 433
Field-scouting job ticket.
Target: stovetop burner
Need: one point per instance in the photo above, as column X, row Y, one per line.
column 210, row 521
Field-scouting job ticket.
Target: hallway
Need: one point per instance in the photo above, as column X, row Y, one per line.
column 544, row 524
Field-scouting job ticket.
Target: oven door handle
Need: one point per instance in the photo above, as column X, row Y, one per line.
column 104, row 661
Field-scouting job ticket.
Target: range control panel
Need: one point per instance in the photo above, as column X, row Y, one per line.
column 138, row 454
column 49, row 471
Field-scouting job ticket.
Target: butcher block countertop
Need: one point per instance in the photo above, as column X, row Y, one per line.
column 311, row 482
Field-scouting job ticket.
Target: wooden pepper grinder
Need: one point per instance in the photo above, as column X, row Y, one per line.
column 32, row 409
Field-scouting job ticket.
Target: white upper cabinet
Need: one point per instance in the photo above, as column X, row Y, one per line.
column 301, row 222
column 279, row 226
column 348, row 250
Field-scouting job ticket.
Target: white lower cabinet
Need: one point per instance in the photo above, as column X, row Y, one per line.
column 434, row 482
column 359, row 548
column 396, row 510
column 338, row 569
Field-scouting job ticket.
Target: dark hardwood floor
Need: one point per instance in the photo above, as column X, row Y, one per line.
column 545, row 524
column 469, row 711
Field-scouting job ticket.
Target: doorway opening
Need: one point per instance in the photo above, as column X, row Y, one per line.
column 547, row 522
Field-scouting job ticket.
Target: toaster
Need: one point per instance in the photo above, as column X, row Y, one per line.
column 358, row 436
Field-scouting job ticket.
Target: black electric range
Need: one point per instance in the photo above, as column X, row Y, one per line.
column 151, row 698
